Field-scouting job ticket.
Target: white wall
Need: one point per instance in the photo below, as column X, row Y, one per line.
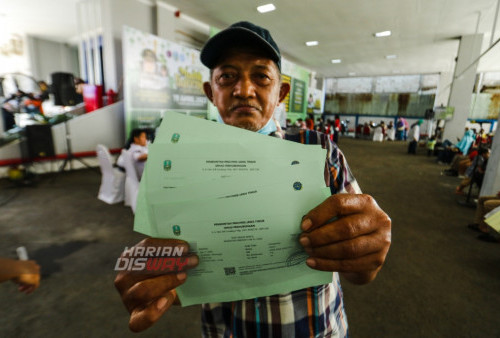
column 115, row 14
column 47, row 57
column 180, row 29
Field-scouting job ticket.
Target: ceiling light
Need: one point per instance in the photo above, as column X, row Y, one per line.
column 381, row 34
column 396, row 72
column 352, row 74
column 392, row 56
column 266, row 8
column 336, row 61
column 312, row 43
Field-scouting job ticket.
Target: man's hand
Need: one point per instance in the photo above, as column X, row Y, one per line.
column 148, row 294
column 28, row 278
column 347, row 233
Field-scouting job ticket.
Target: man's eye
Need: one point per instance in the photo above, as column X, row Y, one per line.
column 262, row 78
column 226, row 77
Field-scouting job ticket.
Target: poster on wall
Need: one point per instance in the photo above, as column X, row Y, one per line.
column 296, row 100
column 444, row 113
column 160, row 76
column 286, row 101
column 315, row 101
column 298, row 95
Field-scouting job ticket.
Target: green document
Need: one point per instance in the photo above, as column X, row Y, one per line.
column 173, row 166
column 237, row 198
column 493, row 219
column 178, row 128
column 247, row 244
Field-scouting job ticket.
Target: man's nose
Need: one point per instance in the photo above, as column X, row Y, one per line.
column 244, row 87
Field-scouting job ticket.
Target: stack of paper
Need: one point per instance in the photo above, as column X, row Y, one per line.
column 237, row 198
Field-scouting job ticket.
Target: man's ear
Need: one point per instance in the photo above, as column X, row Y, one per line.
column 284, row 90
column 207, row 88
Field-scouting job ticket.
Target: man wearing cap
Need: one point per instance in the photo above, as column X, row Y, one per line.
column 347, row 233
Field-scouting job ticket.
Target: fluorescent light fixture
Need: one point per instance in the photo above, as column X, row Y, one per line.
column 266, row 8
column 392, row 56
column 312, row 43
column 381, row 34
column 396, row 72
column 336, row 60
column 352, row 73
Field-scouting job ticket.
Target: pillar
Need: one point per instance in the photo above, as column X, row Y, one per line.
column 463, row 85
column 443, row 90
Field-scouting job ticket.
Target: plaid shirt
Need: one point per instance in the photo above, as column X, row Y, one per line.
column 311, row 312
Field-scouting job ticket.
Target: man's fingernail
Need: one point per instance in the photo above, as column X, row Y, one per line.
column 161, row 303
column 311, row 262
column 181, row 276
column 304, row 241
column 306, row 224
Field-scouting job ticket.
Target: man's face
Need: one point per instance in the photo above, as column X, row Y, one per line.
column 246, row 88
column 141, row 139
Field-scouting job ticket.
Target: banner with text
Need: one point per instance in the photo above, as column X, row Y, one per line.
column 159, row 76
column 298, row 78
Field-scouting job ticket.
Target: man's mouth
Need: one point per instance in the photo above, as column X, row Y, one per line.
column 245, row 109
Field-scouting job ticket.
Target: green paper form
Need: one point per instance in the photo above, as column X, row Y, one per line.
column 237, row 198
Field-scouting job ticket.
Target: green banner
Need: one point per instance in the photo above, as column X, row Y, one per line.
column 160, row 76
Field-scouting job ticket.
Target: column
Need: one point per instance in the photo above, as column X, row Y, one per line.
column 463, row 84
column 443, row 90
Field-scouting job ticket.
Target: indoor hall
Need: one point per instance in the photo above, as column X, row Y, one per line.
column 438, row 279
column 94, row 93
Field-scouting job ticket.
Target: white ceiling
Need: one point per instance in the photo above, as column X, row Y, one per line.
column 424, row 32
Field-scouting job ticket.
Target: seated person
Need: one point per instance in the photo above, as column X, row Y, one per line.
column 484, row 205
column 462, row 147
column 379, row 132
column 391, row 132
column 137, row 147
column 431, row 143
column 460, row 163
column 366, row 131
column 359, row 130
column 475, row 171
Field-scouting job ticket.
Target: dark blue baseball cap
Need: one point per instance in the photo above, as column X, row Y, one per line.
column 242, row 33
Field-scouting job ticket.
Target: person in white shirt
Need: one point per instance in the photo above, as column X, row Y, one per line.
column 413, row 137
column 138, row 150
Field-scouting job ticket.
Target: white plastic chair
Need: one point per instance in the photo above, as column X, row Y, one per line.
column 131, row 181
column 112, row 186
column 391, row 134
column 378, row 136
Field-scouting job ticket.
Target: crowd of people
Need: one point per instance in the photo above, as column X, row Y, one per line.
column 468, row 157
column 376, row 132
column 333, row 128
